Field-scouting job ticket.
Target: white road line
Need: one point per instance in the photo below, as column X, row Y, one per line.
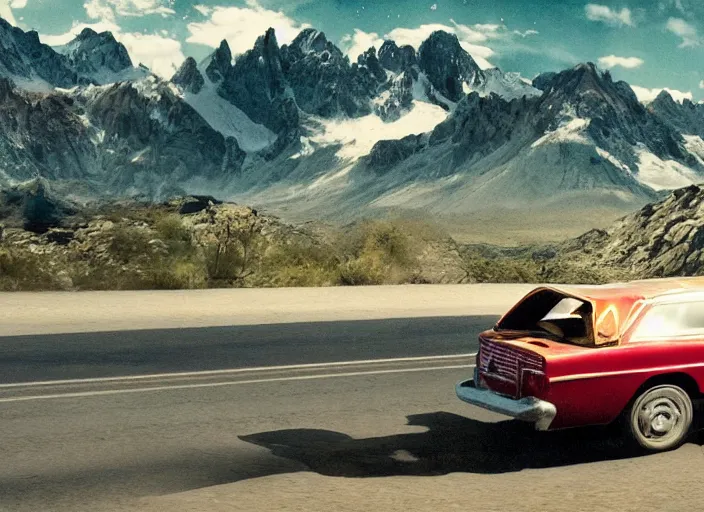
column 221, row 384
column 235, row 371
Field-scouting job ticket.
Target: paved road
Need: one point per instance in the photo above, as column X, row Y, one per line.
column 391, row 433
column 88, row 355
column 81, row 445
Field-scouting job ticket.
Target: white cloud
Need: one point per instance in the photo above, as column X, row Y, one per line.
column 664, row 5
column 480, row 54
column 162, row 55
column 687, row 32
column 203, row 9
column 526, row 33
column 605, row 14
column 414, row 36
column 359, row 42
column 6, row 7
column 701, row 84
column 478, row 33
column 611, row 61
column 434, row 7
column 109, row 9
column 242, row 25
column 646, row 95
column 98, row 9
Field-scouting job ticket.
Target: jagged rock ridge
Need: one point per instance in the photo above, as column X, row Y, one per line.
column 576, row 131
column 585, row 132
column 189, row 77
column 662, row 239
column 97, row 56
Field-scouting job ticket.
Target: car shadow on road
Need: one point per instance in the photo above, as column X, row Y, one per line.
column 451, row 444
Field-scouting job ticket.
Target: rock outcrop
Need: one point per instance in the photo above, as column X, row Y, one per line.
column 97, row 58
column 323, row 81
column 25, row 57
column 220, row 63
column 82, row 114
column 686, row 117
column 397, row 59
column 153, row 136
column 34, row 208
column 188, row 77
column 387, row 153
column 663, row 239
column 587, row 131
column 448, row 66
column 256, row 85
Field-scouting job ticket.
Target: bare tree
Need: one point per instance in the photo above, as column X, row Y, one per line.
column 235, row 251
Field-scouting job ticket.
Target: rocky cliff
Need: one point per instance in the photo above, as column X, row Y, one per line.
column 662, row 239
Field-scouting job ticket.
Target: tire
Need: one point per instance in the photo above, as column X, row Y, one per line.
column 660, row 418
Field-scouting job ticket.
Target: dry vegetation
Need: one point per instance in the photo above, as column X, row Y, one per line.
column 156, row 247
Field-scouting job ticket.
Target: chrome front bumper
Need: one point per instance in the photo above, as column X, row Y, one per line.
column 528, row 409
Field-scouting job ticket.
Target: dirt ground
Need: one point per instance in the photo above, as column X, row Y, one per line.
column 72, row 312
column 508, row 228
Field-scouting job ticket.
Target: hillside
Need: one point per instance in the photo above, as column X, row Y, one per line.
column 660, row 240
column 49, row 243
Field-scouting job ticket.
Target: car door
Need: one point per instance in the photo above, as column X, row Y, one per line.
column 667, row 337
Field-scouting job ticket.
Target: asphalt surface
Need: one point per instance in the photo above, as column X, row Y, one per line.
column 89, row 445
column 112, row 354
column 263, row 421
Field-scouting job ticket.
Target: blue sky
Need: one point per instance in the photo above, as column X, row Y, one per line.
column 652, row 44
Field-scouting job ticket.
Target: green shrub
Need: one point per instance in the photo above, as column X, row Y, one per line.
column 176, row 274
column 21, row 270
column 379, row 252
column 223, row 264
column 98, row 276
column 232, row 251
column 298, row 264
column 177, row 237
column 367, row 269
column 170, row 228
column 130, row 243
column 499, row 270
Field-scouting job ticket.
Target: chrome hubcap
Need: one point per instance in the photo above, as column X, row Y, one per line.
column 659, row 417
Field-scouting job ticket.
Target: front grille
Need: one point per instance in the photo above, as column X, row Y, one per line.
column 503, row 361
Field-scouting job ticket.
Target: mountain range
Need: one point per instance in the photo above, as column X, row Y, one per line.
column 301, row 129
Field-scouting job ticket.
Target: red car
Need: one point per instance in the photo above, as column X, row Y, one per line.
column 565, row 357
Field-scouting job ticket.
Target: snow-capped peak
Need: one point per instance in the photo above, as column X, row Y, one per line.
column 507, row 85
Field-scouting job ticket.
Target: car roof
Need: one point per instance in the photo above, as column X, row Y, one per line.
column 638, row 290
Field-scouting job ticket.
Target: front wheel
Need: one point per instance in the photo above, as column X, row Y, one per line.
column 660, row 418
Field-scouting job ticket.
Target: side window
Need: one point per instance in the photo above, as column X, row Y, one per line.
column 671, row 320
